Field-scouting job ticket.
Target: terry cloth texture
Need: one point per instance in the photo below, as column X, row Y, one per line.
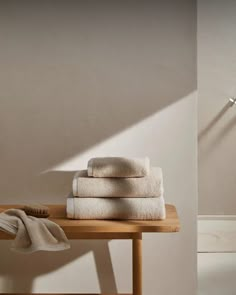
column 148, row 186
column 32, row 234
column 116, row 208
column 118, row 167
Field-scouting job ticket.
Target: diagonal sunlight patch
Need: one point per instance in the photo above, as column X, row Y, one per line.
column 155, row 135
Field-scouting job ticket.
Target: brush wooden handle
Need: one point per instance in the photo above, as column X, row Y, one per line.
column 37, row 210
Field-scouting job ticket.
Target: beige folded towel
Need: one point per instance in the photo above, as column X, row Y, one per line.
column 118, row 167
column 116, row 208
column 32, row 234
column 148, row 186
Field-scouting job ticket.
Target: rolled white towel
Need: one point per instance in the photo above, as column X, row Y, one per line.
column 116, row 208
column 118, row 167
column 148, row 186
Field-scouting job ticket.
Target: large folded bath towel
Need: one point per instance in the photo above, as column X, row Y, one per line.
column 118, row 167
column 32, row 234
column 148, row 186
column 116, row 208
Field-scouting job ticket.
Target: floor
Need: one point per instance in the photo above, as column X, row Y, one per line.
column 217, row 266
column 216, row 273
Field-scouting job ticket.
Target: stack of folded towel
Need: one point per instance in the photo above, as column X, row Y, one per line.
column 117, row 188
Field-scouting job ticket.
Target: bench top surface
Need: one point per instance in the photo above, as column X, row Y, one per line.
column 70, row 227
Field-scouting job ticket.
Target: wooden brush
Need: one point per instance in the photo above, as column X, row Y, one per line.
column 39, row 211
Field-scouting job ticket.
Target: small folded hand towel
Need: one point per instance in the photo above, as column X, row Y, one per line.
column 32, row 234
column 148, row 186
column 118, row 167
column 116, row 208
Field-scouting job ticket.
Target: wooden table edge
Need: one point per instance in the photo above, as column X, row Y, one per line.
column 75, row 229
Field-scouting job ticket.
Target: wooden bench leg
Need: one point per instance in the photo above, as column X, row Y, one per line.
column 137, row 264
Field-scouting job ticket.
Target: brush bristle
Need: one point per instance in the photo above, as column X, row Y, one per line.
column 37, row 210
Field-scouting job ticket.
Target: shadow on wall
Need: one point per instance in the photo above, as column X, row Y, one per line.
column 213, row 122
column 19, row 272
column 80, row 76
column 219, row 136
column 83, row 74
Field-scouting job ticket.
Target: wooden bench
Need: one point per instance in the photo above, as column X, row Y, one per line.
column 112, row 229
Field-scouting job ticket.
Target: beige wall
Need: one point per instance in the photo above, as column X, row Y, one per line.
column 217, row 121
column 87, row 78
